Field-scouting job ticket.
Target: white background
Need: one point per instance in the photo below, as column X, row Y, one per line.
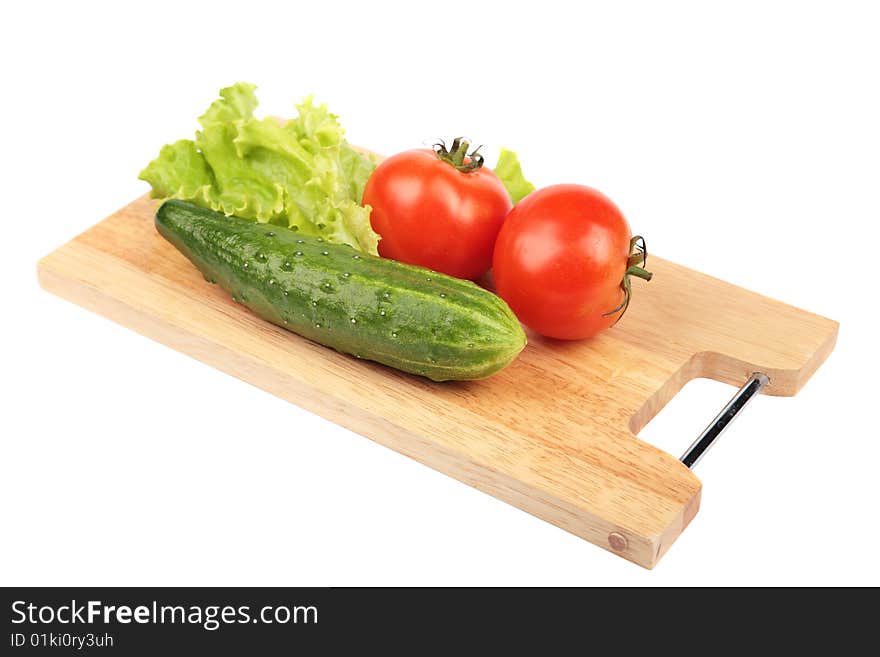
column 742, row 139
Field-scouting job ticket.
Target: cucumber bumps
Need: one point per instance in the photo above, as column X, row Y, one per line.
column 407, row 317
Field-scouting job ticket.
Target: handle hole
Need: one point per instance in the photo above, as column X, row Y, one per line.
column 687, row 414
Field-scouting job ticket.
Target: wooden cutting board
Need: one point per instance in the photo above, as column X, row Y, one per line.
column 553, row 434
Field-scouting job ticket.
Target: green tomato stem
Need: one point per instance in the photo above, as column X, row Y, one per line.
column 456, row 154
column 638, row 272
column 635, row 266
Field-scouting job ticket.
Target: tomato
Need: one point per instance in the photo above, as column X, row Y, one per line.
column 439, row 209
column 563, row 261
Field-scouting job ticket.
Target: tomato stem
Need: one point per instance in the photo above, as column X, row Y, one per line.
column 638, row 272
column 635, row 266
column 457, row 153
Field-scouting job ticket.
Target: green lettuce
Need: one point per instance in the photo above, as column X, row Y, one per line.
column 510, row 172
column 300, row 173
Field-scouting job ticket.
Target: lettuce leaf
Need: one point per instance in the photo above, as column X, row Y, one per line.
column 510, row 172
column 180, row 171
column 301, row 173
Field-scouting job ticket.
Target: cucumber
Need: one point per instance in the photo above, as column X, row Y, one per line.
column 404, row 316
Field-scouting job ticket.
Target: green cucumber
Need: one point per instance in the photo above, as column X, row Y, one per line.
column 407, row 317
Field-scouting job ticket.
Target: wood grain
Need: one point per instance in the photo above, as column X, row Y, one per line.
column 553, row 434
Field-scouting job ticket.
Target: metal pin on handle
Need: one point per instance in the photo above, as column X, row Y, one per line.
column 713, row 432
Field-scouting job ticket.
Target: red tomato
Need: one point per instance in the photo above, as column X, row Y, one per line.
column 563, row 261
column 437, row 209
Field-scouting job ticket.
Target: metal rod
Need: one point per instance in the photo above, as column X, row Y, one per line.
column 713, row 432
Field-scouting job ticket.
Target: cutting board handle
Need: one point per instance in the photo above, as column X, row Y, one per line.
column 718, row 426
